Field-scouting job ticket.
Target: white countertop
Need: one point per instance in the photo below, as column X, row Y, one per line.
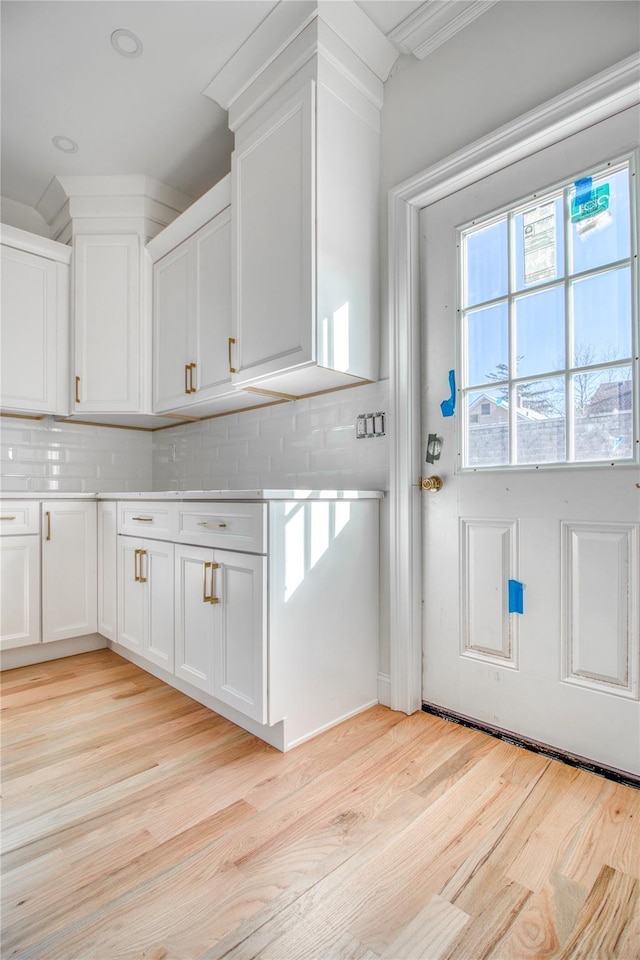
column 205, row 495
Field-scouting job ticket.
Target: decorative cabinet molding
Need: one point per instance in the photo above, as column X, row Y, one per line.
column 34, row 324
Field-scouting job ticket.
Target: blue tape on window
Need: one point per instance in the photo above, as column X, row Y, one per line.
column 516, row 599
column 448, row 407
column 584, row 190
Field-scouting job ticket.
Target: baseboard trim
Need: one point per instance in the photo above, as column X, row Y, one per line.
column 571, row 759
column 52, row 650
column 384, row 689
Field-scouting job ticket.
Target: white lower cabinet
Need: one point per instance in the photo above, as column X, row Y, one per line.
column 220, row 626
column 20, row 585
column 145, row 599
column 69, row 569
column 269, row 616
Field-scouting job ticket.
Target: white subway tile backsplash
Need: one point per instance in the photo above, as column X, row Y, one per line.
column 50, row 455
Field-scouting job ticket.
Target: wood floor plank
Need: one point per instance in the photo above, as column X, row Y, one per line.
column 606, row 915
column 139, row 825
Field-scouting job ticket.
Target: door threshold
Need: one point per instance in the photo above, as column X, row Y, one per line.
column 571, row 759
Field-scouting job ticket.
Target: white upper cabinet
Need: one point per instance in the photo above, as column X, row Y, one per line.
column 107, row 324
column 305, row 183
column 192, row 319
column 192, row 325
column 35, row 324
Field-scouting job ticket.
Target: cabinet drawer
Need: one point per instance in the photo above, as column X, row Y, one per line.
column 19, row 516
column 234, row 526
column 147, row 519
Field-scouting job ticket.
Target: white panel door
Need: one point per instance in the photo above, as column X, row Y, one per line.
column 69, row 569
column 156, row 571
column 172, row 308
column 274, row 211
column 107, row 323
column 131, row 595
column 195, row 616
column 20, row 589
column 29, row 332
column 107, row 567
column 557, row 540
column 211, row 329
column 240, row 666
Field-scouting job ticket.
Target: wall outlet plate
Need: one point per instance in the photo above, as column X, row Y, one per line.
column 370, row 425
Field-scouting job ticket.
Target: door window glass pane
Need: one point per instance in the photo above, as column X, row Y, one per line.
column 602, row 317
column 486, row 264
column 539, row 332
column 606, row 237
column 603, row 410
column 540, row 421
column 547, row 335
column 487, row 344
column 487, row 417
column 538, row 243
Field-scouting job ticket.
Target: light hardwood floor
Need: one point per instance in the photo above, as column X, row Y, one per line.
column 137, row 824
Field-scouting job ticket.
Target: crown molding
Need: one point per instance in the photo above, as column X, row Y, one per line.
column 282, row 26
column 435, row 22
column 109, row 196
column 34, row 243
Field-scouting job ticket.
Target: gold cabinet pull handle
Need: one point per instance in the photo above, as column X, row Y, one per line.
column 231, row 344
column 7, row 518
column 77, row 389
column 48, row 516
column 136, row 575
column 214, row 567
column 186, row 378
column 143, row 519
column 143, row 553
column 206, row 597
column 192, row 389
column 207, row 523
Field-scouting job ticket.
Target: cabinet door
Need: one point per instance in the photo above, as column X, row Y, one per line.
column 240, row 666
column 212, row 316
column 131, row 595
column 107, row 324
column 172, row 306
column 156, row 568
column 29, row 332
column 69, row 574
column 107, row 566
column 274, row 217
column 20, row 588
column 195, row 616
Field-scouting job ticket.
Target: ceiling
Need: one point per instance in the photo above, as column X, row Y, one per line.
column 61, row 77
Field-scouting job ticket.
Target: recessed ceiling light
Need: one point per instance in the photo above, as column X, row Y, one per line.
column 66, row 144
column 126, row 43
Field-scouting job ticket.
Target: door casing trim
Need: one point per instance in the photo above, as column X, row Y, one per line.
column 598, row 98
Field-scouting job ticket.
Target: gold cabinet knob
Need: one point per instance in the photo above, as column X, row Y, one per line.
column 431, row 483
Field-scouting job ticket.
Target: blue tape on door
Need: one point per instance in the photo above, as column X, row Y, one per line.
column 448, row 407
column 584, row 190
column 516, row 599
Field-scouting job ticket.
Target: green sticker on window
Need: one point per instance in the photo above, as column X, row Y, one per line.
column 594, row 203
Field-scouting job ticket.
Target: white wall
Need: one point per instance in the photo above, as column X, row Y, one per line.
column 44, row 455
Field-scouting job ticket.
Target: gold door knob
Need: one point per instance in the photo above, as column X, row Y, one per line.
column 431, row 483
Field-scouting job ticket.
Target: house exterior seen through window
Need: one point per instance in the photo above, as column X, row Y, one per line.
column 548, row 327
